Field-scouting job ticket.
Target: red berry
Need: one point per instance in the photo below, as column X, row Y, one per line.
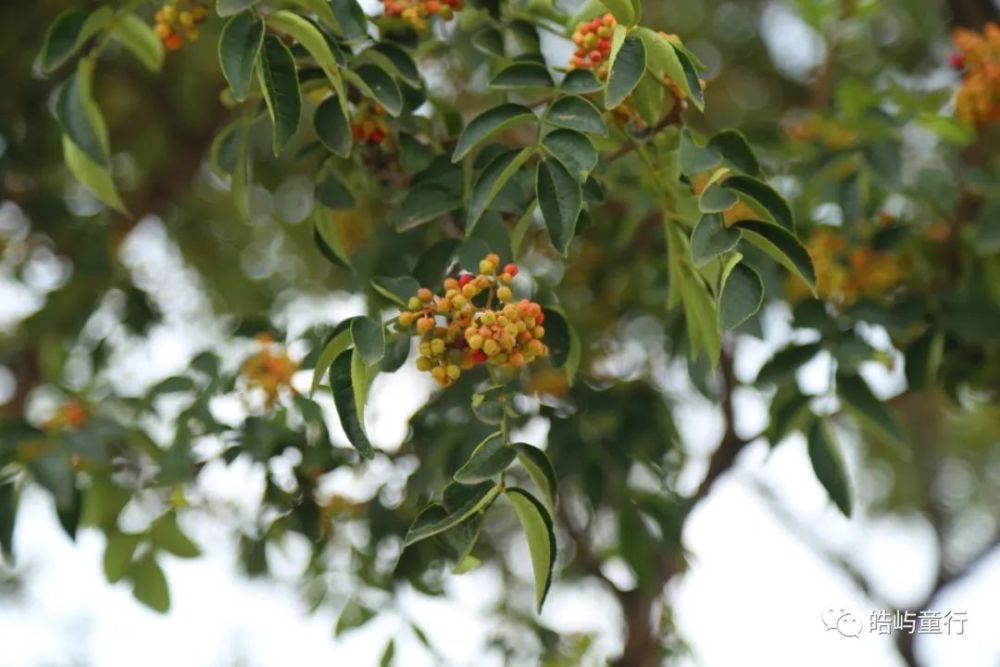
column 957, row 60
column 604, row 45
column 464, row 280
column 596, row 23
column 479, row 357
column 596, row 56
column 377, row 137
column 511, row 269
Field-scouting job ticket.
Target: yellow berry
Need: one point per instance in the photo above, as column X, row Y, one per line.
column 486, row 266
column 414, row 303
column 437, row 347
column 406, row 319
column 505, row 293
column 454, row 372
column 424, row 294
column 476, row 341
column 423, row 364
column 490, row 347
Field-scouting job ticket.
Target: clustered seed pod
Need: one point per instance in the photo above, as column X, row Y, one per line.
column 978, row 56
column 369, row 126
column 593, row 45
column 269, row 369
column 70, row 415
column 418, row 12
column 476, row 320
column 845, row 273
column 177, row 17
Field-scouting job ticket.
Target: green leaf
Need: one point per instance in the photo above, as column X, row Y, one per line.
column 327, row 239
column 623, row 10
column 736, row 150
column 716, row 199
column 691, row 83
column 74, row 112
column 489, row 41
column 118, row 553
column 575, row 150
column 332, row 193
column 923, row 359
column 396, row 353
column 539, row 468
column 461, row 501
column 741, row 297
column 537, row 525
column 490, row 458
column 229, row 7
column 332, row 126
column 782, row 247
column 166, row 534
column 488, row 124
column 560, row 199
column 351, row 19
column 368, row 339
column 581, row 82
column 696, row 159
column 68, row 33
column 362, row 376
column 859, row 399
column 425, row 202
column 763, row 198
column 280, row 82
column 9, row 500
column 401, row 62
column 376, row 83
column 784, row 364
column 524, row 74
column 491, row 181
column 342, row 383
column 92, row 175
column 309, row 37
column 337, row 343
column 397, row 289
column 711, row 238
column 322, row 9
column 627, row 65
column 353, row 615
column 136, row 36
column 829, row 467
column 389, row 654
column 661, row 58
column 563, row 341
column 239, row 47
column 576, row 113
column 149, row 585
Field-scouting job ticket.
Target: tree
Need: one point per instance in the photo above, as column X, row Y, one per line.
column 543, row 236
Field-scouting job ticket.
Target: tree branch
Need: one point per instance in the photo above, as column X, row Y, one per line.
column 675, row 117
column 732, row 444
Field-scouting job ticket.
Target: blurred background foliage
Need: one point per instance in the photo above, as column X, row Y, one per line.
column 849, row 104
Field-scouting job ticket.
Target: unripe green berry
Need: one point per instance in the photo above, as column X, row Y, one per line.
column 414, row 303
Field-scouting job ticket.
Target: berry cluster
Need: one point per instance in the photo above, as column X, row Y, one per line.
column 593, row 45
column 844, row 273
column 70, row 415
column 369, row 126
column 978, row 102
column 269, row 369
column 418, row 12
column 177, row 17
column 475, row 321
